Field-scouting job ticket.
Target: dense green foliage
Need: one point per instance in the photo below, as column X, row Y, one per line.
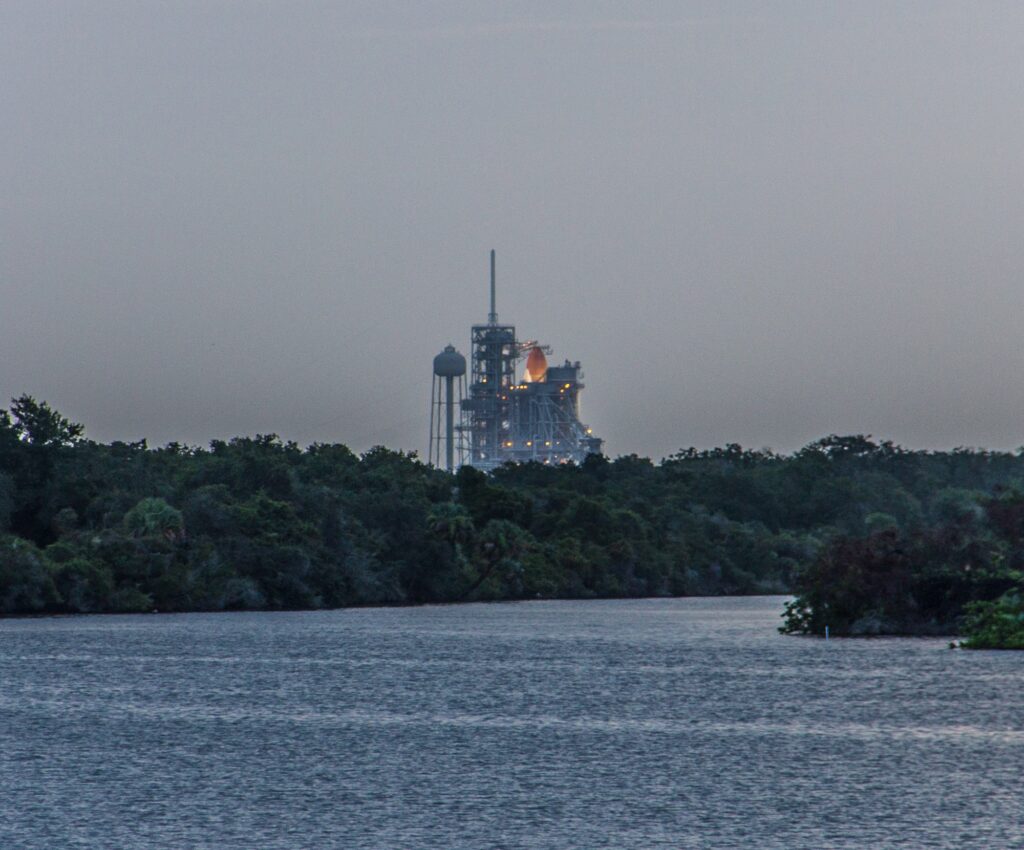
column 967, row 551
column 257, row 523
column 998, row 624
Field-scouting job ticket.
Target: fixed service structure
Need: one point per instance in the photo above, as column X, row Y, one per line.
column 508, row 415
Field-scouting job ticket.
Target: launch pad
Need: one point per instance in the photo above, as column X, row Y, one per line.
column 507, row 416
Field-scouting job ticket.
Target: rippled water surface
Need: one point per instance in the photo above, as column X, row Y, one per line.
column 639, row 724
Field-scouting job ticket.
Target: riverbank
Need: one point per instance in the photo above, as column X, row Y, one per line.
column 257, row 523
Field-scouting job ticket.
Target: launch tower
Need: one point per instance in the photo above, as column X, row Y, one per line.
column 529, row 417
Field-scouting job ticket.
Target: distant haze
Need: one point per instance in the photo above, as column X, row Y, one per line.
column 752, row 222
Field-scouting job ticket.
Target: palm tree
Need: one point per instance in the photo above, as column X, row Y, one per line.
column 449, row 521
column 153, row 517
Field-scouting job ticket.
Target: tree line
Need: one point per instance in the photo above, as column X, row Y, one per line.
column 871, row 536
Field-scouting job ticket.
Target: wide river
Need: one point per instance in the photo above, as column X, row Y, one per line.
column 626, row 724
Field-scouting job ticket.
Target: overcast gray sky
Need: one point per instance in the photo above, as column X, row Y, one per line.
column 752, row 222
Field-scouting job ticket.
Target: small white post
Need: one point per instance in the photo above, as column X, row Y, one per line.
column 826, row 632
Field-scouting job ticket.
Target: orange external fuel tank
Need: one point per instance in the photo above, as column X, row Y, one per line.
column 536, row 366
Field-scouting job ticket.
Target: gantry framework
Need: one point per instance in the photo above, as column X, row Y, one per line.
column 534, row 418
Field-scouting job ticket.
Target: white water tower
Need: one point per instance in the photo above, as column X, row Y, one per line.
column 447, row 392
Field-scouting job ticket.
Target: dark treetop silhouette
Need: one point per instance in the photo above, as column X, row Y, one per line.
column 872, row 537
